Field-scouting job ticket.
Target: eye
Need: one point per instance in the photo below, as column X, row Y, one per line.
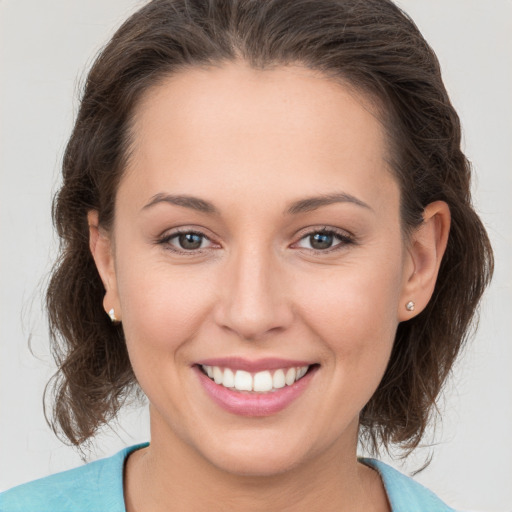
column 323, row 240
column 186, row 241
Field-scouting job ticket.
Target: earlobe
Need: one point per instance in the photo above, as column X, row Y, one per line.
column 100, row 246
column 426, row 249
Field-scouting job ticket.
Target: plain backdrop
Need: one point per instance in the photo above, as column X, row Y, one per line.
column 45, row 48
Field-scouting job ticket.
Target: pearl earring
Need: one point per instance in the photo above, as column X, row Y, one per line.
column 112, row 315
column 410, row 306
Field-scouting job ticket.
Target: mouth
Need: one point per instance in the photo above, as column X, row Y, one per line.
column 266, row 381
column 255, row 389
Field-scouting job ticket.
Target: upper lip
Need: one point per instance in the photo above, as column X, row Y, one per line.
column 257, row 365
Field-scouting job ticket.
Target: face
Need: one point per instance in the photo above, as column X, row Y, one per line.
column 257, row 237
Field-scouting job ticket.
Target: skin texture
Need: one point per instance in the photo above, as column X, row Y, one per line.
column 252, row 143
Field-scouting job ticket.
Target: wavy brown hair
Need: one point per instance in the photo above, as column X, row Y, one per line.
column 370, row 45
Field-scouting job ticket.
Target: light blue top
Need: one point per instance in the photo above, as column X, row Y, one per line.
column 98, row 487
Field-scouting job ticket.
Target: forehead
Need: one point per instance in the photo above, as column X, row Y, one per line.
column 228, row 125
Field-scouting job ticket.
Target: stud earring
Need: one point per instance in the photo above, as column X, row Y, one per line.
column 410, row 306
column 112, row 315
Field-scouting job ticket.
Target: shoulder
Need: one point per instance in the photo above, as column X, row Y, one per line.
column 95, row 486
column 405, row 494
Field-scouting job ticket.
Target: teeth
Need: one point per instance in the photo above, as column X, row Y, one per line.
column 278, row 380
column 301, row 372
column 290, row 376
column 259, row 382
column 243, row 381
column 229, row 378
column 218, row 375
column 262, row 381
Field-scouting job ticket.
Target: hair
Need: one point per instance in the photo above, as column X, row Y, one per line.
column 371, row 45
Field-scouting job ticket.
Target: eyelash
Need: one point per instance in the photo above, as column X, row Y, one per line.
column 166, row 241
column 343, row 237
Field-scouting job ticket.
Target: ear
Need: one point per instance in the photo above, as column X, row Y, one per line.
column 426, row 248
column 101, row 248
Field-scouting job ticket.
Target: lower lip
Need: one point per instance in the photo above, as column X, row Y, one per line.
column 254, row 404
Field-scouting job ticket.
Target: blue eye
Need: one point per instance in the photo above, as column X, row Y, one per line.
column 187, row 241
column 323, row 240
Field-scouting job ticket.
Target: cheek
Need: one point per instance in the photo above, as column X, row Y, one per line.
column 353, row 311
column 162, row 306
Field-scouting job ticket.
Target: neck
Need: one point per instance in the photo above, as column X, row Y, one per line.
column 170, row 471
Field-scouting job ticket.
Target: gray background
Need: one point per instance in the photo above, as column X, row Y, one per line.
column 45, row 47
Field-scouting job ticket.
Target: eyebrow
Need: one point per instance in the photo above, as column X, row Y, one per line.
column 313, row 203
column 191, row 202
column 303, row 205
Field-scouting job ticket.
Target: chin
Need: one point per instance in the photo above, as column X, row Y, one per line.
column 256, row 457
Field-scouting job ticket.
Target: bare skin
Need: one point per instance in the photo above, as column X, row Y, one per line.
column 274, row 274
column 291, row 491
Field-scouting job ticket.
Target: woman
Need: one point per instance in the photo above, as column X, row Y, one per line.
column 265, row 219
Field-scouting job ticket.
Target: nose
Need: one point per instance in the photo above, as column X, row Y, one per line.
column 253, row 298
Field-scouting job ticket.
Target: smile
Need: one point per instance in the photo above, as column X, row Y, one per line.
column 259, row 382
column 254, row 389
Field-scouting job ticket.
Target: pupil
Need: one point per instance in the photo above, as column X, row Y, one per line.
column 190, row 241
column 321, row 240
